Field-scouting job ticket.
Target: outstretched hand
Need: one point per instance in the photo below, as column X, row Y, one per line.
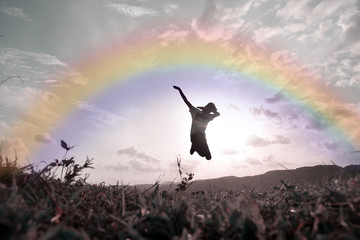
column 176, row 87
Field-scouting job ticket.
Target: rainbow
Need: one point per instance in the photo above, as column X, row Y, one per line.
column 123, row 60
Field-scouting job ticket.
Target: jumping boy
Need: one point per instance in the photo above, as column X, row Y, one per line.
column 201, row 116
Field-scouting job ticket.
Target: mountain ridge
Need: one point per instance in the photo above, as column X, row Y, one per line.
column 308, row 175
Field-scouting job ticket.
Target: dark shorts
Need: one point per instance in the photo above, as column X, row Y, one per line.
column 199, row 145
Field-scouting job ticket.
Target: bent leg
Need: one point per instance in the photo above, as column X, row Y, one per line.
column 192, row 149
column 199, row 145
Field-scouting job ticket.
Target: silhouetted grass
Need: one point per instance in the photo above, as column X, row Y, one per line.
column 40, row 205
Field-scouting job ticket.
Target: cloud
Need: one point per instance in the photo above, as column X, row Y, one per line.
column 141, row 161
column 234, row 107
column 213, row 24
column 349, row 22
column 328, row 145
column 4, row 127
column 15, row 12
column 98, row 116
column 261, row 111
column 142, row 166
column 230, row 151
column 173, row 35
column 207, row 26
column 269, row 158
column 320, row 18
column 44, row 138
column 170, row 8
column 187, row 165
column 278, row 97
column 313, row 122
column 295, row 27
column 74, row 77
column 293, row 9
column 344, row 111
column 19, row 99
column 238, row 165
column 9, row 147
column 343, row 70
column 253, row 161
column 264, row 34
column 118, row 167
column 236, row 13
column 269, row 161
column 131, row 11
column 134, row 153
column 280, row 139
column 256, row 141
column 14, row 58
column 282, row 56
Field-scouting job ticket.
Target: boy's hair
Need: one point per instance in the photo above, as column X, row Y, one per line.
column 211, row 106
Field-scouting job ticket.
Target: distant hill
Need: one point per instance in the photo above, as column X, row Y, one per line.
column 315, row 174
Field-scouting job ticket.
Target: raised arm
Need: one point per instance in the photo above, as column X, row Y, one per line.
column 183, row 97
column 214, row 114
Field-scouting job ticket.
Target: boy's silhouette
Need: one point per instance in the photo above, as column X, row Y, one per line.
column 201, row 116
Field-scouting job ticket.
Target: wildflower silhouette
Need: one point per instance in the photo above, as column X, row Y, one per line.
column 201, row 116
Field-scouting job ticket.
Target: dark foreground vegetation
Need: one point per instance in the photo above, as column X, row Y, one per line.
column 42, row 205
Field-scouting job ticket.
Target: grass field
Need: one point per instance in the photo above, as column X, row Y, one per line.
column 45, row 205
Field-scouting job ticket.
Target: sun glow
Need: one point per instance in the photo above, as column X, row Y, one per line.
column 230, row 131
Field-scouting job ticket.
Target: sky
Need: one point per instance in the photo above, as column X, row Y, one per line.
column 284, row 75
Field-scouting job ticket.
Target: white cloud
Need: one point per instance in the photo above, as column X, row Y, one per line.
column 350, row 25
column 142, row 166
column 282, row 56
column 328, row 145
column 9, row 147
column 16, row 57
column 277, row 97
column 117, row 167
column 265, row 34
column 269, row 158
column 280, row 139
column 19, row 97
column 294, row 9
column 267, row 113
column 15, row 12
column 171, row 8
column 256, row 141
column 311, row 12
column 322, row 32
column 132, row 11
column 44, row 138
column 314, row 122
column 134, row 153
column 234, row 107
column 236, row 13
column 295, row 27
column 327, row 8
column 173, row 34
column 99, row 116
column 141, row 161
column 4, row 127
column 211, row 26
column 230, row 151
column 253, row 161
